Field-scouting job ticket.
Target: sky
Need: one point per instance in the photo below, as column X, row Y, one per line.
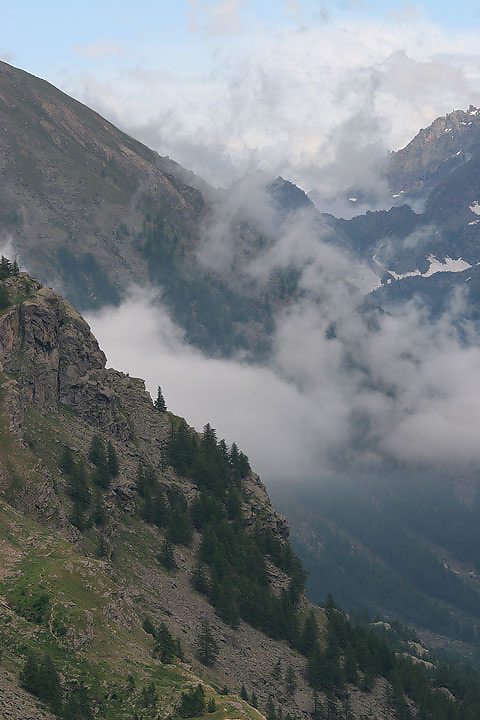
column 293, row 87
column 317, row 91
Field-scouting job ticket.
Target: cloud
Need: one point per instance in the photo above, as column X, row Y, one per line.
column 318, row 102
column 234, row 397
column 215, row 17
column 99, row 50
column 347, row 388
column 7, row 56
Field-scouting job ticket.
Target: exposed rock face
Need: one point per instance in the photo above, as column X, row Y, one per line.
column 47, row 345
column 258, row 497
column 435, row 152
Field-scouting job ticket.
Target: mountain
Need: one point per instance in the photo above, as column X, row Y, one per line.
column 82, row 546
column 72, row 186
column 145, row 572
column 92, row 210
column 434, row 153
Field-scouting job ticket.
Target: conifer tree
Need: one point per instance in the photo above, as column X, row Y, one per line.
column 167, row 557
column 29, row 675
column 160, row 403
column 290, row 681
column 66, row 462
column 309, row 636
column 99, row 514
column 96, row 452
column 193, row 703
column 4, row 297
column 270, row 713
column 207, row 646
column 112, row 460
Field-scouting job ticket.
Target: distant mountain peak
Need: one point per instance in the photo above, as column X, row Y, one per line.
column 435, row 152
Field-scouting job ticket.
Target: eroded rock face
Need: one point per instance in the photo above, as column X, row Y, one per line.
column 47, row 345
column 52, row 359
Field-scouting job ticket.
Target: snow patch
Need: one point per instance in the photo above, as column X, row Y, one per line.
column 397, row 276
column 475, row 207
column 448, row 264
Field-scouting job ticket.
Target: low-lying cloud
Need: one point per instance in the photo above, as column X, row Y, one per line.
column 347, row 388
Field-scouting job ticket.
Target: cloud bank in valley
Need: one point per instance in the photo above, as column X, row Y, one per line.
column 347, row 388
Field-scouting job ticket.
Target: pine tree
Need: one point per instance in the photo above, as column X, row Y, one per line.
column 277, row 671
column 99, row 514
column 112, row 460
column 290, row 681
column 244, row 694
column 96, row 453
column 29, row 677
column 66, row 463
column 166, row 645
column 4, row 297
column 270, row 713
column 193, row 703
column 207, row 646
column 50, row 688
column 149, row 696
column 309, row 636
column 160, row 403
column 101, row 549
column 167, row 557
column 200, row 580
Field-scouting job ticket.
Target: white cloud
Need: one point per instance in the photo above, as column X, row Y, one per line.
column 346, row 387
column 215, row 17
column 99, row 50
column 319, row 103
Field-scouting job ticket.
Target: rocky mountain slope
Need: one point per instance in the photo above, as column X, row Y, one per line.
column 434, row 153
column 74, row 187
column 99, row 583
column 92, row 209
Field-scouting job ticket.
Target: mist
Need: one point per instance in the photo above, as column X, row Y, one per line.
column 347, row 388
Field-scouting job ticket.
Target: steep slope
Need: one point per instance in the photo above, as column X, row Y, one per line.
column 74, row 187
column 113, row 593
column 56, row 393
column 434, row 153
column 402, row 547
column 90, row 210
